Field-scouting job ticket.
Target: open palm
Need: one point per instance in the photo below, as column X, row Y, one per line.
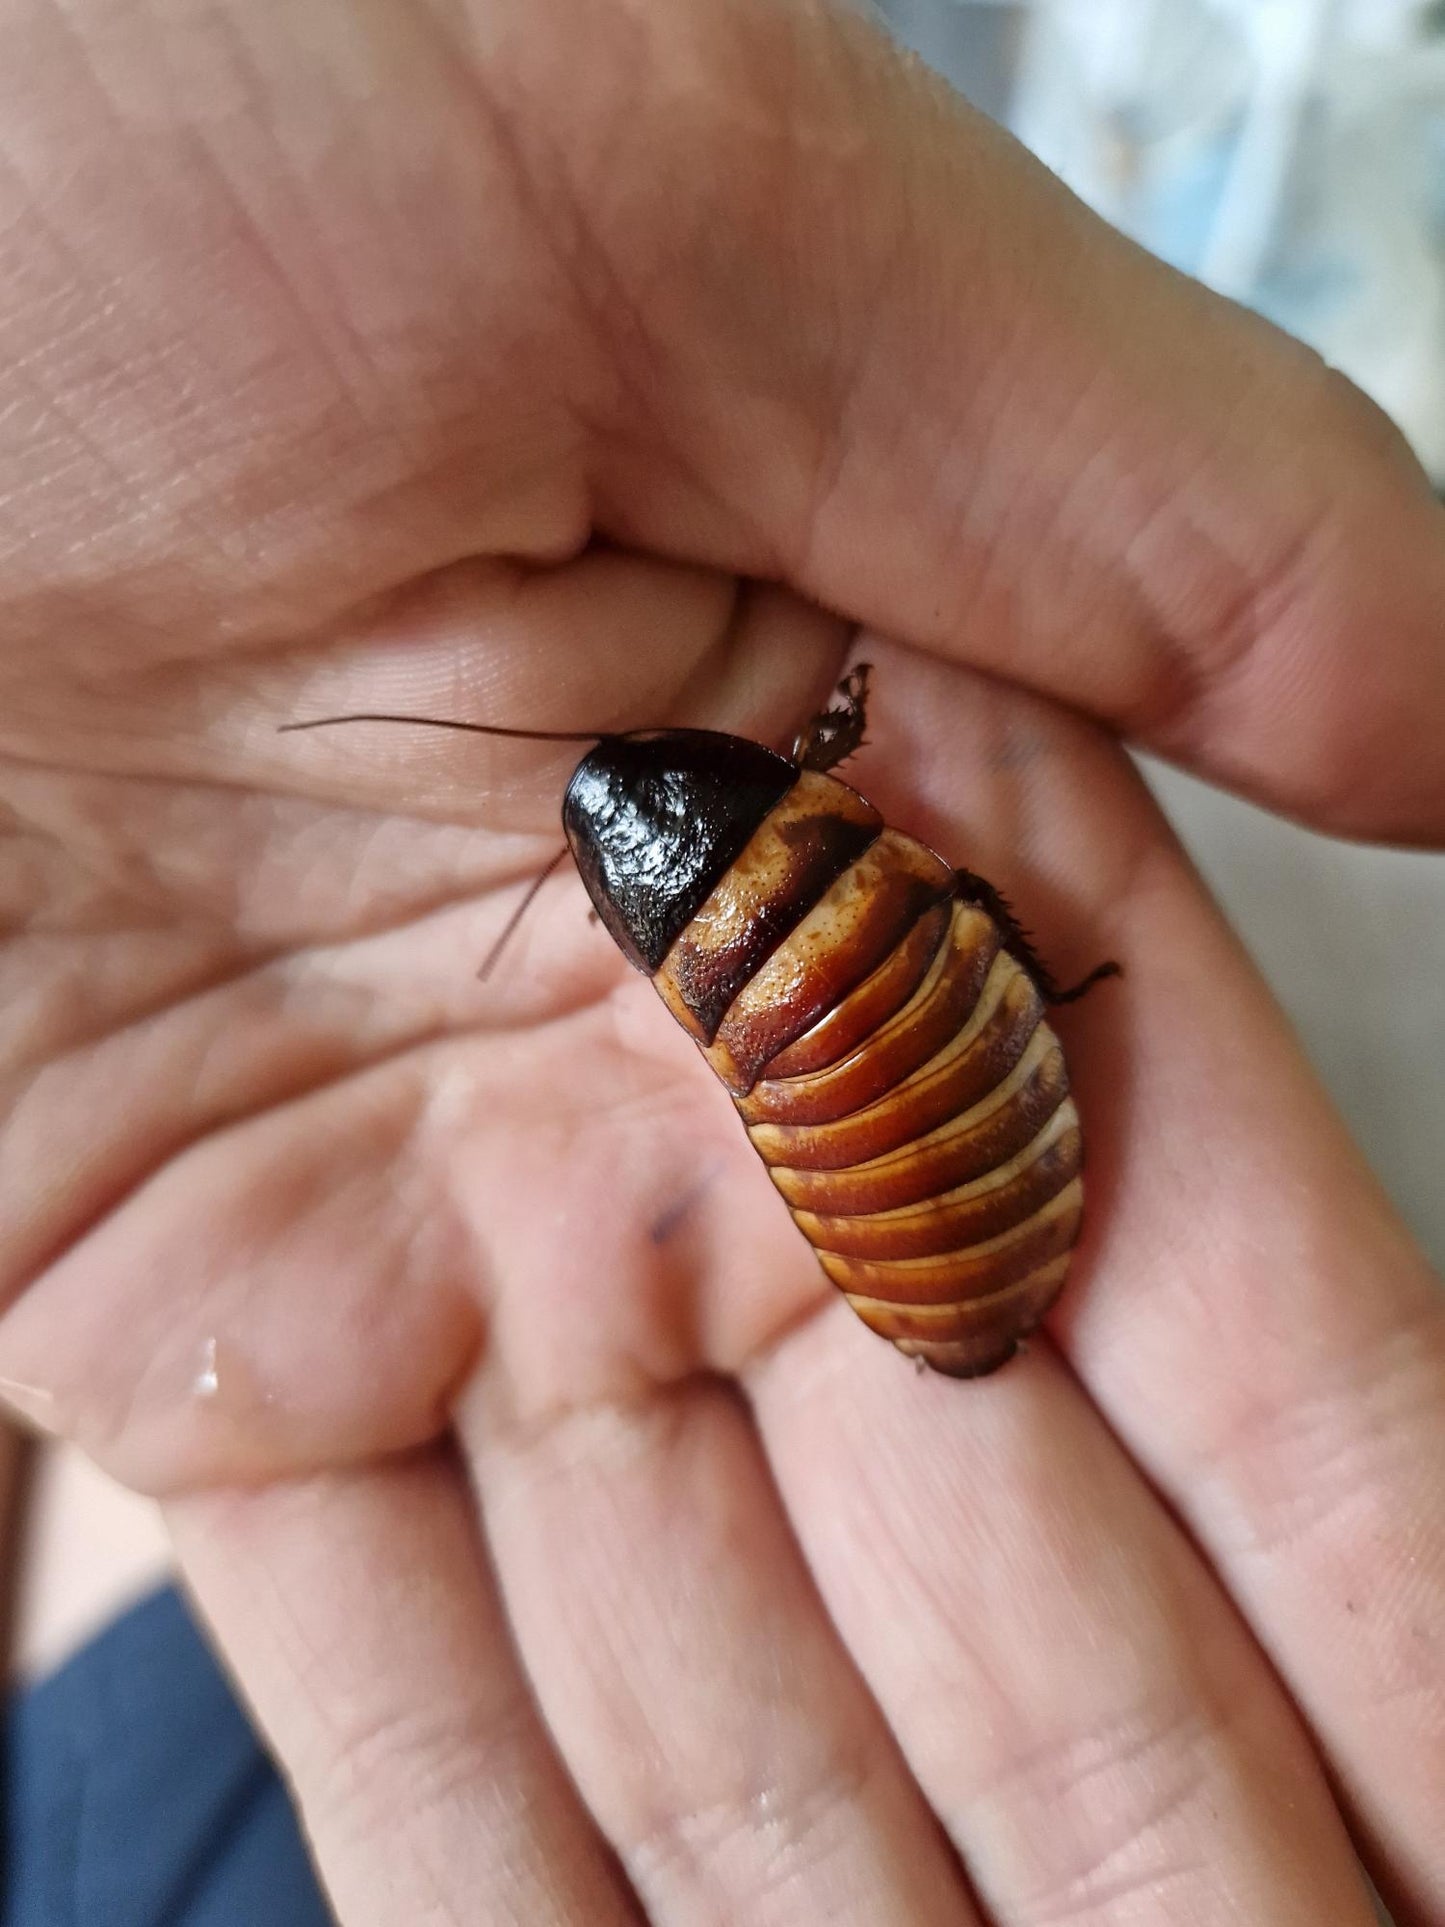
column 583, row 1557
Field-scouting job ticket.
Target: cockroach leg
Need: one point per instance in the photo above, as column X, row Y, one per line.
column 1019, row 944
column 835, row 733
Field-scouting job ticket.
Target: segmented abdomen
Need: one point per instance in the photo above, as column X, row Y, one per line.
column 895, row 1072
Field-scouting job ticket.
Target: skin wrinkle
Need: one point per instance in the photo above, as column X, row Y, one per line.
column 599, row 289
column 129, row 875
column 1043, row 1777
column 210, row 919
column 424, row 1417
column 1189, row 1743
column 358, row 844
column 436, row 1746
column 987, row 429
column 991, row 581
column 84, row 447
column 125, row 1191
column 367, row 426
column 845, row 371
column 1186, row 1882
column 398, row 608
column 633, row 401
column 1401, row 1373
column 370, row 421
column 789, row 1828
column 1261, row 606
column 637, row 385
column 790, row 1330
column 257, row 968
column 1168, row 1756
column 1407, row 1673
column 75, row 420
column 711, row 687
column 967, row 531
column 209, row 528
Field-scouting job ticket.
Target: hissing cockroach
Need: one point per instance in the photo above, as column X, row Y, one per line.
column 876, row 1015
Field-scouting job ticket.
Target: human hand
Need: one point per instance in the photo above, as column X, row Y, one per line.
column 582, row 1556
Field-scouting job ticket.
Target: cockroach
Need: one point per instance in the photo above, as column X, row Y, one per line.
column 876, row 1014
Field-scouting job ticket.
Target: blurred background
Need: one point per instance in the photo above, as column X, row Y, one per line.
column 1292, row 154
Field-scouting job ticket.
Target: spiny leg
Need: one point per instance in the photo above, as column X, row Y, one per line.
column 834, row 733
column 1019, row 945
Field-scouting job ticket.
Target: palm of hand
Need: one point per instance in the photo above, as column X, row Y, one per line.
column 365, row 1151
column 289, row 1193
column 378, row 1164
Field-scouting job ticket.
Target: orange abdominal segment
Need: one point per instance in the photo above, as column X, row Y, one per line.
column 863, row 1010
column 798, row 850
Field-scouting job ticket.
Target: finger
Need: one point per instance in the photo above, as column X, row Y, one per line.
column 1089, row 1719
column 1257, row 1327
column 688, row 1672
column 955, row 404
column 358, row 1615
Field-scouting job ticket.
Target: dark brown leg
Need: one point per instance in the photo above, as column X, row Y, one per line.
column 1019, row 945
column 834, row 733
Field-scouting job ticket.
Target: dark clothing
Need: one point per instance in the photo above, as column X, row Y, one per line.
column 135, row 1793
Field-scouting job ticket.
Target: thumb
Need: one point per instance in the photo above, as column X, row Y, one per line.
column 866, row 344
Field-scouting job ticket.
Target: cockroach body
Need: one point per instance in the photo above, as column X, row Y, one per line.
column 876, row 1014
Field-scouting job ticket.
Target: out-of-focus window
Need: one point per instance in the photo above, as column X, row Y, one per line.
column 1289, row 152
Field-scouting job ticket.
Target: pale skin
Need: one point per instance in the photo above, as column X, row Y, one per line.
column 581, row 1556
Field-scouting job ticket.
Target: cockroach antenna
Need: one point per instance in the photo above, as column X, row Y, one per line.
column 475, row 729
column 450, row 722
column 489, row 961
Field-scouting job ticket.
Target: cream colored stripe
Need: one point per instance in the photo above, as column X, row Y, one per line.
column 1062, row 1203
column 1051, row 1273
column 950, row 951
column 1065, row 1118
column 1040, row 1045
column 999, row 977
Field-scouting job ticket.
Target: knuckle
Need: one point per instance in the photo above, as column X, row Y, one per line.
column 388, row 1761
column 763, row 1828
column 1124, row 1796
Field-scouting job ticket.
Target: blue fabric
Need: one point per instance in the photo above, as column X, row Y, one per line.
column 135, row 1794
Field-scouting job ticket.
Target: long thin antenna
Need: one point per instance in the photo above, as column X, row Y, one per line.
column 448, row 722
column 516, row 917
